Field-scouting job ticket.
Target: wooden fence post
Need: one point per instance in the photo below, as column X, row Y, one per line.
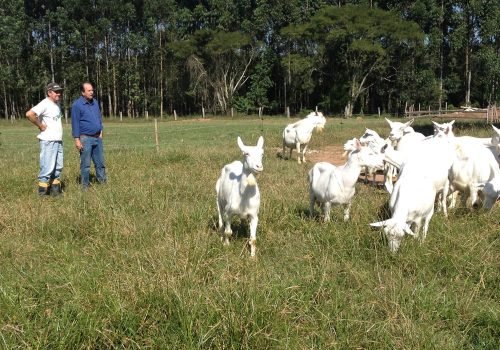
column 156, row 137
column 175, row 115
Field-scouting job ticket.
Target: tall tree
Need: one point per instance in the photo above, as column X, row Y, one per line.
column 356, row 41
column 220, row 60
column 11, row 48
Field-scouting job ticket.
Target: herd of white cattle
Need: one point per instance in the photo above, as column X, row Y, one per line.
column 428, row 169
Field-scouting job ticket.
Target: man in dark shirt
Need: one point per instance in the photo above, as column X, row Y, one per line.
column 86, row 125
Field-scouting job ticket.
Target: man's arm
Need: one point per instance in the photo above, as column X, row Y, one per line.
column 32, row 117
column 75, row 125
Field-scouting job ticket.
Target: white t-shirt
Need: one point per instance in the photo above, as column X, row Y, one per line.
column 49, row 113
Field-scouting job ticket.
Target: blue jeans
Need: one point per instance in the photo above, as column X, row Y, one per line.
column 92, row 149
column 51, row 161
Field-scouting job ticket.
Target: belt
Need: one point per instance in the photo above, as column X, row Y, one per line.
column 93, row 135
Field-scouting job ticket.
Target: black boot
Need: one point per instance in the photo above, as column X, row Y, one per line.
column 55, row 190
column 42, row 189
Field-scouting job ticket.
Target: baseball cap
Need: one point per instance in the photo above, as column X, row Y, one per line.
column 54, row 87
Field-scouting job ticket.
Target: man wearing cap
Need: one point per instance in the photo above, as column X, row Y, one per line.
column 47, row 117
column 86, row 126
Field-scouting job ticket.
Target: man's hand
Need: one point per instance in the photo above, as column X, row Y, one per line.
column 78, row 145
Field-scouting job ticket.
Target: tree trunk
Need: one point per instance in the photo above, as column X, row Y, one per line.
column 86, row 57
column 114, row 91
column 108, row 87
column 441, row 54
column 161, row 79
column 5, row 103
column 51, row 54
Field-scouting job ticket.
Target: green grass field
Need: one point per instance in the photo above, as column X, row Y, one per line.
column 138, row 263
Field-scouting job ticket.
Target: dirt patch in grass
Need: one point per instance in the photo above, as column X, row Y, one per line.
column 333, row 154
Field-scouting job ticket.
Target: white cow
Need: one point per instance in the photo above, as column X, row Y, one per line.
column 331, row 185
column 299, row 134
column 238, row 192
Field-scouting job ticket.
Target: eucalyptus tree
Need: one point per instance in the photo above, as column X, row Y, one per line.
column 161, row 19
column 486, row 58
column 423, row 78
column 217, row 60
column 290, row 73
column 355, row 41
column 11, row 49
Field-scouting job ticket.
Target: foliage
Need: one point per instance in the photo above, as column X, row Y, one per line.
column 156, row 56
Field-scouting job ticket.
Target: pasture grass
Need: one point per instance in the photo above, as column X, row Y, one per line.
column 137, row 263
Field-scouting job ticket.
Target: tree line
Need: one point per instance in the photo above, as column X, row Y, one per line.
column 154, row 57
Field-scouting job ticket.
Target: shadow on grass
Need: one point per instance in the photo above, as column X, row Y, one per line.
column 461, row 126
column 305, row 213
column 240, row 227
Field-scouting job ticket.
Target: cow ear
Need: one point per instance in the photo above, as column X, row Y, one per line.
column 389, row 122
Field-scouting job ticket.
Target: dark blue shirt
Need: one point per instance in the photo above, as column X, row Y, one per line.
column 85, row 117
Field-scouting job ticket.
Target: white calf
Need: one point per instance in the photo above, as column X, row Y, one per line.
column 238, row 192
column 299, row 133
column 330, row 185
